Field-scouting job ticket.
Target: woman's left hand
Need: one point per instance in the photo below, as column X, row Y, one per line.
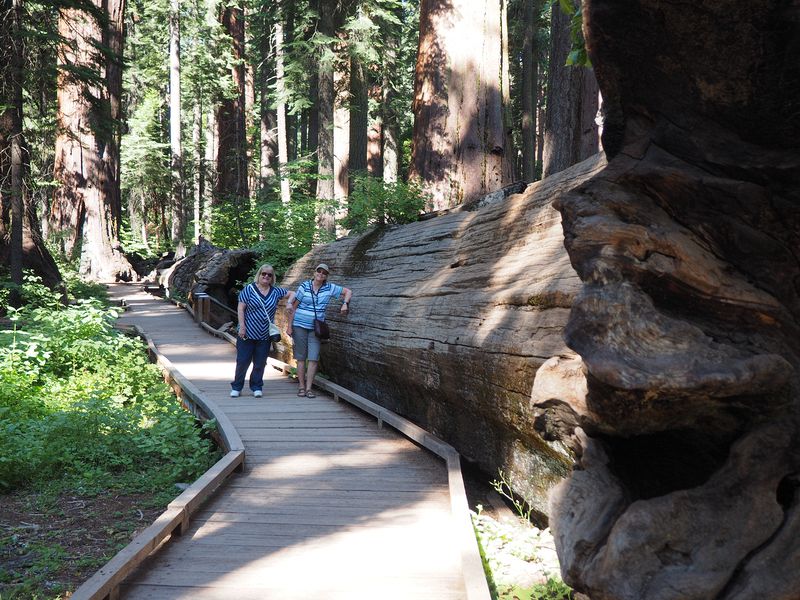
column 345, row 308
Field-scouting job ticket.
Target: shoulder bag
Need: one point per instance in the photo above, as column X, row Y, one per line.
column 321, row 329
column 274, row 330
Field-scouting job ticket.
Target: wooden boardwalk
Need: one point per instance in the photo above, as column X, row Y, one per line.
column 329, row 505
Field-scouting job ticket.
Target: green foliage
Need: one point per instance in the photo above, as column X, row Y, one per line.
column 578, row 57
column 80, row 403
column 553, row 589
column 375, row 202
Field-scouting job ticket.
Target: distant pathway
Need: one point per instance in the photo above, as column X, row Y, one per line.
column 329, row 507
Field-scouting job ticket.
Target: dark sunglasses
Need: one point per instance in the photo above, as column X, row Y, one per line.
column 267, row 274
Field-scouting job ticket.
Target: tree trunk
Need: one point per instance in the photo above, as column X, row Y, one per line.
column 268, row 122
column 209, row 169
column 683, row 409
column 280, row 91
column 87, row 202
column 375, row 134
column 325, row 156
column 461, row 148
column 530, row 85
column 231, row 185
column 570, row 131
column 199, row 178
column 389, row 126
column 341, row 133
column 11, row 142
column 359, row 118
column 175, row 114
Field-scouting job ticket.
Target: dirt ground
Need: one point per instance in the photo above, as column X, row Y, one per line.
column 49, row 546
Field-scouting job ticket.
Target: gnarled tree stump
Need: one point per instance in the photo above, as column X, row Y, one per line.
column 684, row 406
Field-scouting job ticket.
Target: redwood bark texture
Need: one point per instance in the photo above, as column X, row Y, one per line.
column 461, row 151
column 683, row 406
column 232, row 182
column 450, row 319
column 86, row 205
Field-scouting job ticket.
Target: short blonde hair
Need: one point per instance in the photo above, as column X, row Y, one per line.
column 271, row 268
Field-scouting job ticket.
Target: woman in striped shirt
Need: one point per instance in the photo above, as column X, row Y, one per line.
column 256, row 308
column 310, row 302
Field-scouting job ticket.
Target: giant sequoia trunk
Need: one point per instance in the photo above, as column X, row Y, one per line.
column 461, row 150
column 231, row 184
column 685, row 411
column 86, row 205
column 451, row 317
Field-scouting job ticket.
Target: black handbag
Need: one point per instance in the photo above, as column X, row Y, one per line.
column 321, row 329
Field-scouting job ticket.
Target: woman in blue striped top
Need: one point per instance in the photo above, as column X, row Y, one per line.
column 310, row 302
column 256, row 308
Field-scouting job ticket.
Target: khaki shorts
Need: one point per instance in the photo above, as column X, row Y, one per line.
column 305, row 344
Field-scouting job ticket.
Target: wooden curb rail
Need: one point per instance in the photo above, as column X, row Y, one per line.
column 175, row 519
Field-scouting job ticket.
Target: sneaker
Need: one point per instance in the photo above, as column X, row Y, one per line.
column 234, row 394
column 257, row 394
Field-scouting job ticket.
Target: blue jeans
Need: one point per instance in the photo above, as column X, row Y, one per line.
column 248, row 351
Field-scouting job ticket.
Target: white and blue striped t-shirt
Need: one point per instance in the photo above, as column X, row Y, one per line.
column 304, row 315
column 258, row 306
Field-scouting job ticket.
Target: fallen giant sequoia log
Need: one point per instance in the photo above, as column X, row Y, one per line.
column 450, row 319
column 684, row 406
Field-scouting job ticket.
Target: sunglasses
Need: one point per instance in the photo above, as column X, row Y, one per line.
column 267, row 274
column 323, row 271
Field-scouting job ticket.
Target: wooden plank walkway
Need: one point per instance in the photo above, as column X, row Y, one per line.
column 329, row 505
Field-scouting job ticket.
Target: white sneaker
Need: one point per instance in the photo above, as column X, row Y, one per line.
column 257, row 394
column 234, row 394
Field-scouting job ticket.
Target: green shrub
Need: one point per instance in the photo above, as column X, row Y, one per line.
column 81, row 404
column 375, row 202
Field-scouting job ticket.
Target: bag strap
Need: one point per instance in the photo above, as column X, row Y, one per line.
column 313, row 301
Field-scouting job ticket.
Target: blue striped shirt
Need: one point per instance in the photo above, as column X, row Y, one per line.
column 257, row 307
column 304, row 315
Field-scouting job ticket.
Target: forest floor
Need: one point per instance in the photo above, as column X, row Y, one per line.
column 50, row 544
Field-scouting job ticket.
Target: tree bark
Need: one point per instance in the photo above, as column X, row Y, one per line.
column 87, row 202
column 231, row 175
column 684, row 407
column 461, row 149
column 359, row 117
column 11, row 141
column 570, row 131
column 283, row 135
column 175, row 115
column 325, row 155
